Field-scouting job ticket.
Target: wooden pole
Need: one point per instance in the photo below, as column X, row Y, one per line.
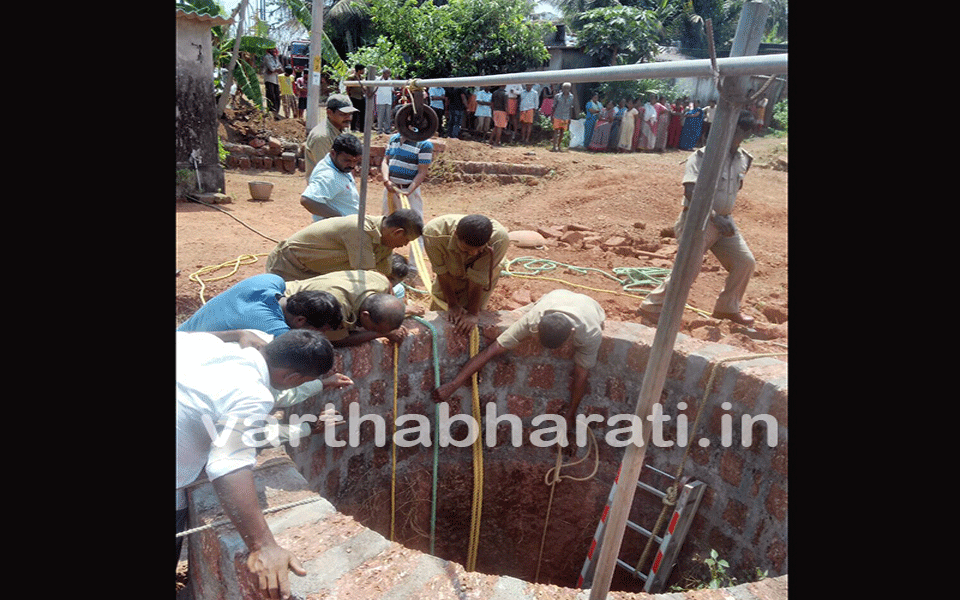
column 685, row 269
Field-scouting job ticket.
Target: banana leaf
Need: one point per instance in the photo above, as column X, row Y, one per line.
column 247, row 82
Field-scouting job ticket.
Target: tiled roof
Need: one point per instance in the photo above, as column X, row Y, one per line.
column 196, row 16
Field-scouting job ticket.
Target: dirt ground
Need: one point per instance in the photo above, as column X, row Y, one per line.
column 633, row 196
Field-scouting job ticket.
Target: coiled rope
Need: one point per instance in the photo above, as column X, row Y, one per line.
column 243, row 259
column 672, row 492
column 631, row 277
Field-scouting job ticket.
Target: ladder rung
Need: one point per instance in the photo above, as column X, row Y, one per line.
column 644, row 532
column 630, row 568
column 656, row 470
column 651, row 489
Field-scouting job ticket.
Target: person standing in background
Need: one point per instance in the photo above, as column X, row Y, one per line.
column 384, row 105
column 271, row 83
column 358, row 97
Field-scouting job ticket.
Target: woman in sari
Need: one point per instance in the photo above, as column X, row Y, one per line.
column 592, row 111
column 627, row 126
column 676, row 123
column 692, row 124
column 601, row 130
column 621, row 110
column 648, row 125
column 663, row 122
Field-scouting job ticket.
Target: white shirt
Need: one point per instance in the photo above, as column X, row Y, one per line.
column 384, row 94
column 220, row 385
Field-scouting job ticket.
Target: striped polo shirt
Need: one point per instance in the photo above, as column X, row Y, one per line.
column 404, row 158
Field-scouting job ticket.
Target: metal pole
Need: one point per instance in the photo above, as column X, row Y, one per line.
column 686, row 266
column 313, row 66
column 733, row 66
column 364, row 165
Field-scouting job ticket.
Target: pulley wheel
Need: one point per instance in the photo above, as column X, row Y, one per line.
column 417, row 126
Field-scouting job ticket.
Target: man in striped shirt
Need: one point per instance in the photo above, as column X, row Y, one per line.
column 405, row 166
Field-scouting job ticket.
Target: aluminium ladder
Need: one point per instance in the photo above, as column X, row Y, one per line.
column 669, row 545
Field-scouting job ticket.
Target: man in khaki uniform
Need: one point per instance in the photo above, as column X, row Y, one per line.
column 465, row 252
column 558, row 316
column 721, row 236
column 320, row 139
column 370, row 310
column 335, row 244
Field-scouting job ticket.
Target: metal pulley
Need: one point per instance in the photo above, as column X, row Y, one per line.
column 417, row 123
column 416, row 120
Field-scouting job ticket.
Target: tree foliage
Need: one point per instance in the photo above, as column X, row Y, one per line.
column 618, row 34
column 462, row 37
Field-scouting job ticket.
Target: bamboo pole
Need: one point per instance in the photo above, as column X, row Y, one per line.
column 689, row 256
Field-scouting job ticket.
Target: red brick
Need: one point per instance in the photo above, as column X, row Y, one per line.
column 504, row 373
column 522, row 406
column 736, row 514
column 777, row 502
column 541, row 376
column 362, row 364
column 731, row 467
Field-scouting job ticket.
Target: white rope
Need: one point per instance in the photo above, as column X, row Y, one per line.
column 272, row 509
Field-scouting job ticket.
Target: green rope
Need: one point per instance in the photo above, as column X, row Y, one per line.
column 630, row 278
column 436, row 433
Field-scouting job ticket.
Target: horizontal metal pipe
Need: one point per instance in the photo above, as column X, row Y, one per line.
column 766, row 64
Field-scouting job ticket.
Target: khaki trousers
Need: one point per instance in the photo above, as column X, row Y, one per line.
column 735, row 256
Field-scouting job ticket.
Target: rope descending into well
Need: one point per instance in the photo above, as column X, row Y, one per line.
column 436, row 434
column 477, row 462
column 553, row 477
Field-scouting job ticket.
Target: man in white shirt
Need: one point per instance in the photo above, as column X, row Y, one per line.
column 558, row 316
column 224, row 394
column 384, row 104
column 721, row 236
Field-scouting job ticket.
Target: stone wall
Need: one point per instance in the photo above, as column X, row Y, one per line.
column 743, row 514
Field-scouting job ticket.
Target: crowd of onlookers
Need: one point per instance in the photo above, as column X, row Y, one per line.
column 507, row 113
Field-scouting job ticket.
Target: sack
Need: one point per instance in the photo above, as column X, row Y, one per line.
column 547, row 107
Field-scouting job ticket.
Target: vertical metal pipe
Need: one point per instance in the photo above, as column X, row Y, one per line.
column 685, row 268
column 365, row 163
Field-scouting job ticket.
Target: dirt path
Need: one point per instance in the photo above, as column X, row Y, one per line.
column 634, row 197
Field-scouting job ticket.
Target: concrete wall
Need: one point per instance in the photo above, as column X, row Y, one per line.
column 196, row 107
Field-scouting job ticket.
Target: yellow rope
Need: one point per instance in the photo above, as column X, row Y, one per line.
column 553, row 477
column 477, row 462
column 243, row 259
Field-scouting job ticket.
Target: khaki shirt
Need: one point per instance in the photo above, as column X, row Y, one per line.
column 587, row 316
column 440, row 244
column 329, row 245
column 732, row 171
column 318, row 144
column 350, row 288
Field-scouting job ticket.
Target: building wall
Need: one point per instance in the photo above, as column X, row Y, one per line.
column 196, row 129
